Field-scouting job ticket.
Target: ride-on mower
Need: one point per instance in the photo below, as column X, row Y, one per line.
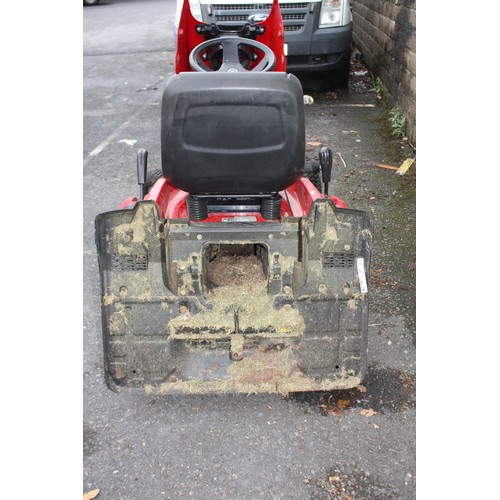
column 232, row 271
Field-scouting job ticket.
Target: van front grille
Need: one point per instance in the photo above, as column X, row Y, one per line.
column 294, row 15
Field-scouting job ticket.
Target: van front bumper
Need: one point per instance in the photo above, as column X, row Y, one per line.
column 327, row 49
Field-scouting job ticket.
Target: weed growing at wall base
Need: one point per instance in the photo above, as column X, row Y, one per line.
column 397, row 121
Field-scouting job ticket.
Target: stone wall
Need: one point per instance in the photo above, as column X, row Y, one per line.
column 385, row 33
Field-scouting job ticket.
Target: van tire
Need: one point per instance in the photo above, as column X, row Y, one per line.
column 341, row 75
column 315, row 179
column 151, row 179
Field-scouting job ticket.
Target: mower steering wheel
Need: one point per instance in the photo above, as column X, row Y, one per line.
column 230, row 56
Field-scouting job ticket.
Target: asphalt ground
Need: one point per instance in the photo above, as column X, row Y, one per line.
column 224, row 446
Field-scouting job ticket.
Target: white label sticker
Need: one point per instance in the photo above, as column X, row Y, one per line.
column 241, row 218
column 360, row 264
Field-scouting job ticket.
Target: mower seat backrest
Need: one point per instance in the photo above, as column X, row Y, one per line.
column 232, row 133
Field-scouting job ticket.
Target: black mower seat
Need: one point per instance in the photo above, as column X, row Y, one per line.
column 232, row 133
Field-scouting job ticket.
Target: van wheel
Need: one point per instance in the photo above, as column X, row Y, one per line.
column 315, row 179
column 151, row 179
column 341, row 75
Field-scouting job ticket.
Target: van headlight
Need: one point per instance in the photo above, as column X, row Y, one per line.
column 330, row 14
column 196, row 9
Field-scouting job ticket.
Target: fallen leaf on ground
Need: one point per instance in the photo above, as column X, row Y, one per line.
column 331, row 410
column 334, row 411
column 342, row 403
column 361, row 388
column 334, row 479
column 91, row 494
column 368, row 413
column 314, row 143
